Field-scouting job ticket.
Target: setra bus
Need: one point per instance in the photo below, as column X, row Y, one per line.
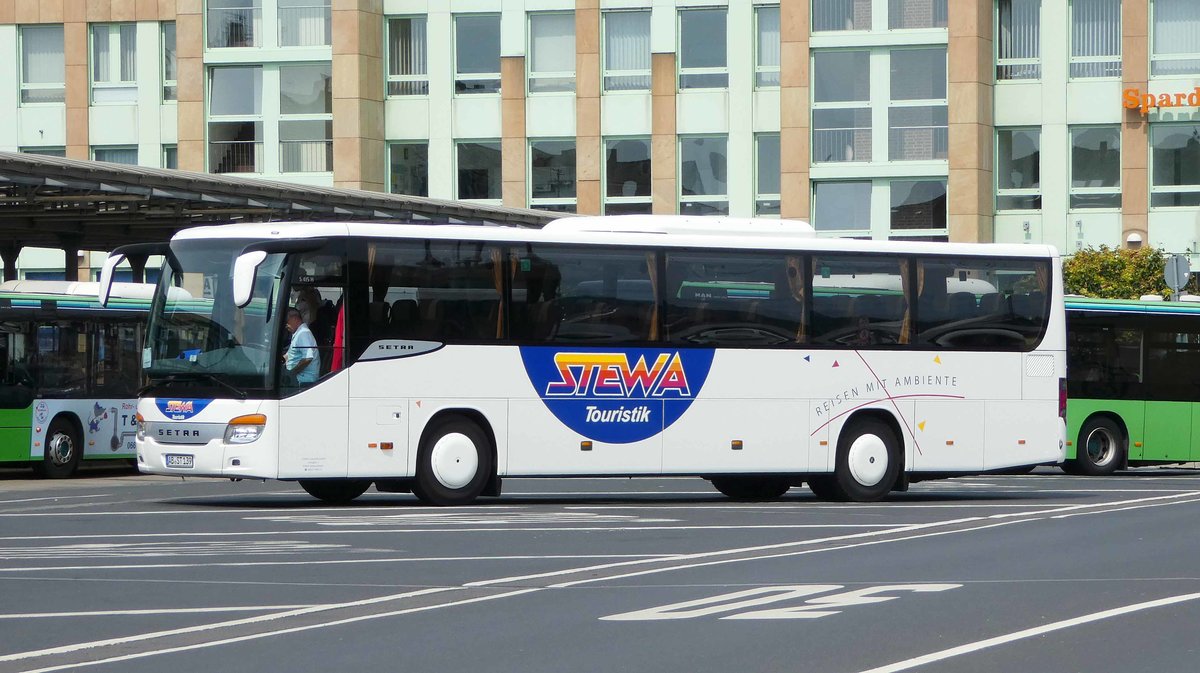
column 746, row 352
column 1132, row 399
column 70, row 372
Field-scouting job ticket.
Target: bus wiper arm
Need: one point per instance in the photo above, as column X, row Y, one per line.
column 191, row 376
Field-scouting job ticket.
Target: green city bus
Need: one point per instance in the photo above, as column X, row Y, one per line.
column 70, row 370
column 1132, row 384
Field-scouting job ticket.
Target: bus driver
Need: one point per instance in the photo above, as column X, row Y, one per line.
column 302, row 359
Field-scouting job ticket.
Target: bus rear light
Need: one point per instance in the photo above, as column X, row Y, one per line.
column 1062, row 399
column 245, row 429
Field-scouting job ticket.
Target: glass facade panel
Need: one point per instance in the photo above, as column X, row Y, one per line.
column 839, row 206
column 114, row 63
column 479, row 170
column 1096, row 167
column 841, row 76
column 304, row 23
column 477, row 53
column 918, row 133
column 918, row 204
column 1175, row 37
column 918, row 74
column 702, row 49
column 917, row 14
column 627, row 167
column 841, row 135
column 408, row 46
column 409, row 163
column 1018, row 38
column 1018, row 169
column 828, row 15
column 627, row 51
column 234, row 23
column 551, row 171
column 766, row 20
column 1095, row 38
column 305, row 89
column 170, row 71
column 767, row 174
column 235, row 90
column 43, row 70
column 1175, row 170
column 551, row 52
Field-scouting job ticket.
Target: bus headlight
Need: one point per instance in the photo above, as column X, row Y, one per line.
column 245, row 429
column 140, row 423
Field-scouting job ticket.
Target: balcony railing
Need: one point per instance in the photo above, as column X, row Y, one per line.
column 306, row 156
column 829, row 145
column 918, row 143
column 304, row 26
column 234, row 27
column 235, row 157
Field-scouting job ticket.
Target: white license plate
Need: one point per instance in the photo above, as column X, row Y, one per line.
column 180, row 460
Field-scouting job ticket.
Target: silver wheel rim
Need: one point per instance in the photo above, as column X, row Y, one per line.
column 454, row 460
column 61, row 449
column 867, row 459
column 1100, row 446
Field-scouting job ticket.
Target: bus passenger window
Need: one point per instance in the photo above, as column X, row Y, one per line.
column 976, row 304
column 860, row 302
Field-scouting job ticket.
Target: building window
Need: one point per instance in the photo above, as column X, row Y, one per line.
column 702, row 50
column 551, row 52
column 305, row 118
column 477, row 53
column 170, row 156
column 114, row 63
column 918, row 124
column 479, row 170
column 841, row 115
column 1018, row 37
column 116, row 155
column 627, row 51
column 918, row 207
column 304, row 23
column 552, row 175
column 917, row 14
column 170, row 68
column 703, row 175
column 1018, row 169
column 1095, row 38
column 842, row 206
column 43, row 70
column 766, row 67
column 46, row 151
column 766, row 174
column 235, row 119
column 1175, row 36
column 1175, row 152
column 1096, row 167
column 841, row 15
column 234, row 23
column 409, row 168
column 627, row 176
column 408, row 67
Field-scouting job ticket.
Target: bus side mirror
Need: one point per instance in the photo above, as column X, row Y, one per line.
column 244, row 269
column 106, row 275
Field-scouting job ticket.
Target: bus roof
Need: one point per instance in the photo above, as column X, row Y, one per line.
column 77, row 289
column 730, row 239
column 677, row 225
column 1077, row 303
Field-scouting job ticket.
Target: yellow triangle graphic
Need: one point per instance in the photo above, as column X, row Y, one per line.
column 921, row 425
column 937, row 359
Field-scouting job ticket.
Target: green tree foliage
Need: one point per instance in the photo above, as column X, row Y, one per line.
column 1115, row 273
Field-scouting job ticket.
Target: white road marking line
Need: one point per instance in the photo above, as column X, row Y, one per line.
column 55, row 497
column 1129, row 504
column 1029, row 633
column 158, row 549
column 161, row 611
column 1123, row 509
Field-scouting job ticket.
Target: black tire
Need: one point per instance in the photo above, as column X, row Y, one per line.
column 1101, row 448
column 857, row 474
column 62, row 450
column 752, row 488
column 825, row 487
column 335, row 491
column 454, row 463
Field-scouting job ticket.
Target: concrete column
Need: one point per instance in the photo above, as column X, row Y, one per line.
column 512, row 130
column 189, row 58
column 9, row 252
column 137, row 266
column 971, row 211
column 663, row 141
column 589, row 156
column 795, row 134
column 1135, row 131
column 70, row 247
column 358, row 76
column 75, row 58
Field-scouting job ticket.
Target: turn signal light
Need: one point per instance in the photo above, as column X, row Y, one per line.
column 245, row 429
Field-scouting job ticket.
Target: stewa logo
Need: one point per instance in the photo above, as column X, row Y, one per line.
column 616, row 395
column 180, row 410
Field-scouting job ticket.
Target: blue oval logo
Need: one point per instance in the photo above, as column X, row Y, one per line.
column 180, row 410
column 617, row 395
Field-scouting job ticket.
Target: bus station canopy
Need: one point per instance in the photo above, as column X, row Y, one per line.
column 72, row 204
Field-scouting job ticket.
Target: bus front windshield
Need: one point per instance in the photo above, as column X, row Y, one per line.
column 197, row 338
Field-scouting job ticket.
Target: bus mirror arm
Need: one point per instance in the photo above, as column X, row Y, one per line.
column 119, row 255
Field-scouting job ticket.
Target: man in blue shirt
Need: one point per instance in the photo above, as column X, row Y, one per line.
column 302, row 359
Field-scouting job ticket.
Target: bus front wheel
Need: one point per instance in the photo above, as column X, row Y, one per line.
column 334, row 491
column 1100, row 450
column 868, row 464
column 454, row 463
column 62, row 452
column 751, row 488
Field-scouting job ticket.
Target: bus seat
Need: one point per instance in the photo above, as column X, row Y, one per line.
column 990, row 304
column 377, row 312
column 866, row 306
column 892, row 307
column 961, row 306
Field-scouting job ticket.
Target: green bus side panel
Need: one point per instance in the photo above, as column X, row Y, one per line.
column 15, row 434
column 1168, row 431
column 1131, row 412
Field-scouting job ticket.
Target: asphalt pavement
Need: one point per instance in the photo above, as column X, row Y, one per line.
column 116, row 572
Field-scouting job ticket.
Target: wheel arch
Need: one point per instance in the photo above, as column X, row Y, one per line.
column 71, row 418
column 1118, row 421
column 887, row 418
column 475, row 416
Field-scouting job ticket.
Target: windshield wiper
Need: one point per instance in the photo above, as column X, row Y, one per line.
column 192, row 376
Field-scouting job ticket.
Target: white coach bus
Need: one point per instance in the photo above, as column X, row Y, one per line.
column 746, row 352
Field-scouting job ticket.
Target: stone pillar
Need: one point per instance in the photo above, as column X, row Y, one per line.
column 971, row 211
column 512, row 130
column 663, row 141
column 1135, row 130
column 75, row 57
column 795, row 135
column 189, row 59
column 358, row 76
column 589, row 152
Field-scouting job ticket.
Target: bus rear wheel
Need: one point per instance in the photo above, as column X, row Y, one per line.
column 752, row 488
column 62, row 451
column 335, row 491
column 1100, row 450
column 867, row 466
column 454, row 463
